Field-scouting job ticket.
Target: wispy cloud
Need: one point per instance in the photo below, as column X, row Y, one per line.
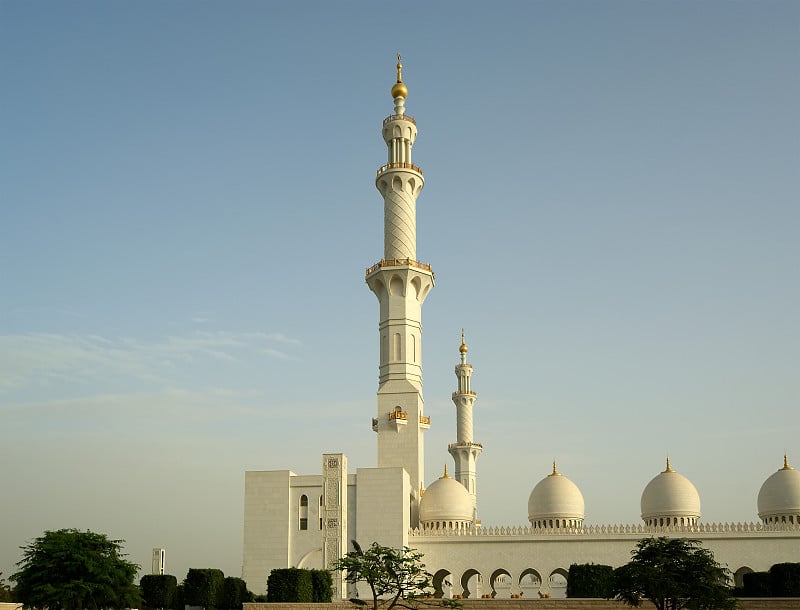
column 44, row 359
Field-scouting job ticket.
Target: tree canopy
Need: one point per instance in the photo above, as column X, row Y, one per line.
column 5, row 590
column 395, row 577
column 69, row 570
column 674, row 573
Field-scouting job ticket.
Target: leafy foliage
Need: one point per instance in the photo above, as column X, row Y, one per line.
column 396, row 577
column 203, row 587
column 784, row 580
column 68, row 569
column 673, row 573
column 290, row 585
column 590, row 580
column 234, row 593
column 158, row 590
column 756, row 584
column 322, row 583
column 5, row 590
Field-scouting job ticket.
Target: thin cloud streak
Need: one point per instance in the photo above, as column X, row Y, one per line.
column 44, row 359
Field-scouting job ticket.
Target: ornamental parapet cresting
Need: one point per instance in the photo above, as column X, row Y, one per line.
column 594, row 530
column 399, row 262
column 398, row 117
column 399, row 165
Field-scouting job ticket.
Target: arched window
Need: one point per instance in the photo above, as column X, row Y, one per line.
column 304, row 512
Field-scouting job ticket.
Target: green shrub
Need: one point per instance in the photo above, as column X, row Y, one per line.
column 203, row 587
column 756, row 584
column 785, row 580
column 322, row 585
column 590, row 580
column 290, row 585
column 234, row 593
column 158, row 590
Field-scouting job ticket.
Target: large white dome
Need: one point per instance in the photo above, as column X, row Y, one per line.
column 446, row 504
column 779, row 497
column 670, row 499
column 556, row 502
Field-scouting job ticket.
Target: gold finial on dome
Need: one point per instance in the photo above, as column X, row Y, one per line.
column 556, row 473
column 786, row 463
column 669, row 469
column 444, row 476
column 463, row 349
column 399, row 89
column 421, row 490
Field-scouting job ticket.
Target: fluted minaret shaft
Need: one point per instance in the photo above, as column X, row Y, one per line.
column 401, row 285
column 465, row 451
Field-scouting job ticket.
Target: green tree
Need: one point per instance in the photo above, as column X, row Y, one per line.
column 158, row 590
column 395, row 577
column 590, row 580
column 5, row 590
column 674, row 573
column 69, row 570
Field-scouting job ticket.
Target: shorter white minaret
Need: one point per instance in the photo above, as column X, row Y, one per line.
column 465, row 451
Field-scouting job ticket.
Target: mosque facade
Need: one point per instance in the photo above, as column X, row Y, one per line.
column 307, row 521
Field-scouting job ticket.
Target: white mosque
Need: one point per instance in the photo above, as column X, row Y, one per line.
column 308, row 520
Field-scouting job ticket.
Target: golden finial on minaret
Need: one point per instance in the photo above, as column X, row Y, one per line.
column 669, row 469
column 399, row 89
column 463, row 349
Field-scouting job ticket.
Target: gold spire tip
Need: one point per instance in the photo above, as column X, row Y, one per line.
column 556, row 473
column 463, row 349
column 669, row 468
column 399, row 89
column 444, row 476
column 786, row 463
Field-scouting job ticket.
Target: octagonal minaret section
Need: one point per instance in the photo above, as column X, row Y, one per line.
column 401, row 284
column 465, row 450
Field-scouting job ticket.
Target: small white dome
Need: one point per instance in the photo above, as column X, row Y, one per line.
column 779, row 497
column 670, row 499
column 556, row 502
column 446, row 503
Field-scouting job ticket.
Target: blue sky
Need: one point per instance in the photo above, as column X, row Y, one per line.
column 187, row 208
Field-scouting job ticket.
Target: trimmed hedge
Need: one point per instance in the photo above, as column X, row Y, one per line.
column 234, row 593
column 322, row 583
column 590, row 580
column 295, row 585
column 203, row 587
column 158, row 590
column 784, row 580
column 756, row 584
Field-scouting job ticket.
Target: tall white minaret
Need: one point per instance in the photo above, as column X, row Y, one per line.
column 465, row 451
column 401, row 284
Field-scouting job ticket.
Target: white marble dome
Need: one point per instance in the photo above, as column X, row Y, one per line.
column 670, row 499
column 446, row 504
column 556, row 502
column 779, row 496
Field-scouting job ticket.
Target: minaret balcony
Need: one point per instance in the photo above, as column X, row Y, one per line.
column 467, row 393
column 398, row 117
column 424, row 422
column 464, row 444
column 399, row 165
column 397, row 419
column 398, row 262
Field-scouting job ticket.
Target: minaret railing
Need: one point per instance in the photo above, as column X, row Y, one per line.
column 399, row 165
